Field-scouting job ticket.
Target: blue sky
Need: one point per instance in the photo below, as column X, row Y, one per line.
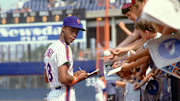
column 7, row 4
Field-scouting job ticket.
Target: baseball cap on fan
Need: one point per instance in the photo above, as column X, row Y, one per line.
column 126, row 7
column 74, row 22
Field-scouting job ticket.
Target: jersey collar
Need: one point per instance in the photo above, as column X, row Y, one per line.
column 62, row 42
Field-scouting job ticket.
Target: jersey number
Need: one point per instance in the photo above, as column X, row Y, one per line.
column 50, row 76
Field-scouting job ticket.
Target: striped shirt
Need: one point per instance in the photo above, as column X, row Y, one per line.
column 56, row 55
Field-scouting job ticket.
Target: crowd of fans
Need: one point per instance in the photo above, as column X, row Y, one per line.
column 50, row 4
column 44, row 5
column 138, row 70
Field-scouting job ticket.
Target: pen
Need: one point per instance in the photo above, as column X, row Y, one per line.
column 80, row 68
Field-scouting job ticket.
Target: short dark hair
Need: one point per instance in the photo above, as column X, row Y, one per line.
column 126, row 8
column 124, row 11
column 140, row 0
column 135, row 5
column 145, row 25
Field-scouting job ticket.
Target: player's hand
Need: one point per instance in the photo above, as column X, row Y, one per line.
column 83, row 75
column 77, row 73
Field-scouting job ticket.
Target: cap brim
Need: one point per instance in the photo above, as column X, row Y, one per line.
column 75, row 26
column 125, row 6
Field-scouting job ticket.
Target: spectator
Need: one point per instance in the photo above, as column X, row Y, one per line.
column 101, row 3
column 20, row 4
column 130, row 93
column 111, row 90
column 124, row 28
column 59, row 3
column 51, row 4
column 100, row 88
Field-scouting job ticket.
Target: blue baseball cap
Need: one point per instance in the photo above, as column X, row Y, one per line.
column 74, row 22
column 152, row 87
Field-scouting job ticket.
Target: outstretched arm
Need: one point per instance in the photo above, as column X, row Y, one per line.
column 124, row 28
column 132, row 46
column 153, row 73
column 130, row 66
column 146, row 79
column 139, row 54
column 130, row 38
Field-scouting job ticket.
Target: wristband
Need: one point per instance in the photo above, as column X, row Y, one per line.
column 75, row 80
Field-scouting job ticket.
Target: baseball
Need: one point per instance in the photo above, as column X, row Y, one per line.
column 107, row 53
column 131, row 52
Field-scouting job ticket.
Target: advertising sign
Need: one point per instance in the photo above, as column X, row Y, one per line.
column 34, row 33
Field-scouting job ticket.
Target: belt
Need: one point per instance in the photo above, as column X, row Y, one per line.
column 59, row 87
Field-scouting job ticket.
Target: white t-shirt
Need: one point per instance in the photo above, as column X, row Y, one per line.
column 131, row 94
column 56, row 55
column 99, row 85
column 20, row 4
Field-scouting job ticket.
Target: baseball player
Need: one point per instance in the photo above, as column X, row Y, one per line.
column 59, row 63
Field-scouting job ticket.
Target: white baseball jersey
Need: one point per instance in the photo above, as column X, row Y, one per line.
column 56, row 55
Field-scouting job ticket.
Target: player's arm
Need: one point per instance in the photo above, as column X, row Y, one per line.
column 45, row 76
column 67, row 79
column 130, row 39
column 63, row 75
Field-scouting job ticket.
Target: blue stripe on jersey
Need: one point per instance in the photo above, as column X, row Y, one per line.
column 67, row 93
